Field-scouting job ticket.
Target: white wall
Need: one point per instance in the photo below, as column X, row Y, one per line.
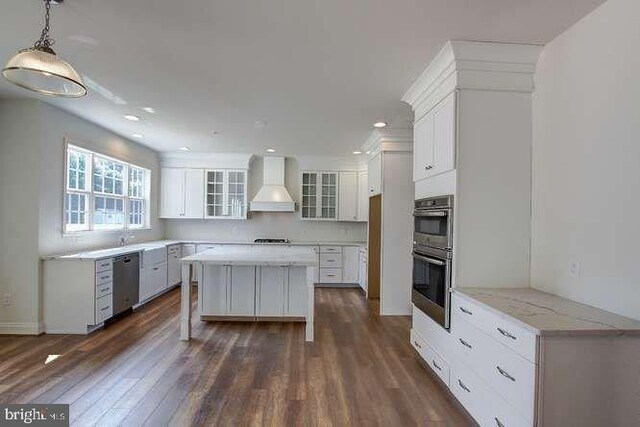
column 57, row 126
column 19, row 190
column 586, row 161
column 31, row 185
column 268, row 224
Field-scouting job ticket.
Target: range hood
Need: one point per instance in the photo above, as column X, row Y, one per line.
column 273, row 196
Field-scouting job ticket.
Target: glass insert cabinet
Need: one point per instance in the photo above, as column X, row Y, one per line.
column 319, row 195
column 226, row 194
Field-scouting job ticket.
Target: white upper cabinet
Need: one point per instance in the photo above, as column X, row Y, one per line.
column 348, row 191
column 182, row 193
column 319, row 195
column 434, row 140
column 226, row 194
column 363, row 196
column 375, row 175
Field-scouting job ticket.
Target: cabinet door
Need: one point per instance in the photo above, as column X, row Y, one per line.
column 236, row 200
column 194, row 193
column 375, row 175
column 172, row 193
column 146, row 284
column 363, row 196
column 329, row 195
column 270, row 301
column 348, row 193
column 213, row 297
column 423, row 147
column 215, row 188
column 309, row 206
column 242, row 291
column 173, row 269
column 297, row 292
column 444, row 125
column 362, row 279
column 351, row 265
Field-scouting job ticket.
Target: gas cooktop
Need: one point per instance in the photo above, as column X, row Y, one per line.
column 273, row 241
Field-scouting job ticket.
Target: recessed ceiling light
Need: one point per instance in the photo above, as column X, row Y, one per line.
column 368, row 152
column 185, row 148
column 270, row 150
column 137, row 135
column 379, row 125
column 132, row 117
column 150, row 110
column 357, row 152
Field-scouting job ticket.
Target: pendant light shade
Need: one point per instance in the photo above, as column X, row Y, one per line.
column 40, row 70
column 45, row 73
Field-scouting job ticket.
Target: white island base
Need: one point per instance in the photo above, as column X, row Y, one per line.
column 265, row 283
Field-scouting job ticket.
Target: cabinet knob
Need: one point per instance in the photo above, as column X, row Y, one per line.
column 428, row 167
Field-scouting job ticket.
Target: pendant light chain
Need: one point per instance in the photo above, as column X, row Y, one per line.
column 45, row 41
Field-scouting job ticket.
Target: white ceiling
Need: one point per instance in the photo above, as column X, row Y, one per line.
column 318, row 72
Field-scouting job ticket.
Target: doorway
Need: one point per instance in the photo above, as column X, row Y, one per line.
column 375, row 240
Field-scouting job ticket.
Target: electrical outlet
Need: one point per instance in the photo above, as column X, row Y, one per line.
column 7, row 300
column 575, row 269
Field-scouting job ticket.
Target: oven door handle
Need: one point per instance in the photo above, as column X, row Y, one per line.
column 438, row 214
column 429, row 260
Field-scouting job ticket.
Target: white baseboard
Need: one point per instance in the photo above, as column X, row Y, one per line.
column 21, row 328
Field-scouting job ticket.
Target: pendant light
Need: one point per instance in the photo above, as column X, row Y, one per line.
column 39, row 69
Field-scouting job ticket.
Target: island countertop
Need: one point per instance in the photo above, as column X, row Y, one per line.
column 257, row 255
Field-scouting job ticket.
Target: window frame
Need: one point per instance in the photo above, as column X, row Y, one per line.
column 90, row 194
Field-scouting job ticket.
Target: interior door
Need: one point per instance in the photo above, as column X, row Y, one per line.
column 375, row 240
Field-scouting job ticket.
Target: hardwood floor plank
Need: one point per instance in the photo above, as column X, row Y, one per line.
column 361, row 370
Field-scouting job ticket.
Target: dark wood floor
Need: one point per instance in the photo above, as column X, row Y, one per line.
column 359, row 371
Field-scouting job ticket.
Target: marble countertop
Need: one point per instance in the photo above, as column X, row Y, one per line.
column 93, row 255
column 547, row 314
column 257, row 255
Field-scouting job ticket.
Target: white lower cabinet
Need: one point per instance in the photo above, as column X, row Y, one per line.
column 362, row 266
column 174, row 274
column 242, row 289
column 270, row 298
column 495, row 384
column 212, row 299
column 104, row 308
column 249, row 291
column 350, row 264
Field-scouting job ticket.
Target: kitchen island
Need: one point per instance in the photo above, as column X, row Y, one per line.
column 251, row 283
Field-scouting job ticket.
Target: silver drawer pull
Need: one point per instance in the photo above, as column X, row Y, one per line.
column 331, row 275
column 465, row 311
column 104, row 277
column 156, row 268
column 435, row 364
column 506, row 334
column 498, row 422
column 105, row 309
column 464, row 387
column 505, row 373
column 466, row 344
column 417, row 344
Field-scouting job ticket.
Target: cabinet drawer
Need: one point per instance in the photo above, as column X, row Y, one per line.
column 173, row 250
column 507, row 332
column 104, row 264
column 103, row 277
column 331, row 260
column 104, row 308
column 330, row 275
column 437, row 364
column 330, row 249
column 470, row 391
column 507, row 372
column 153, row 257
column 104, row 289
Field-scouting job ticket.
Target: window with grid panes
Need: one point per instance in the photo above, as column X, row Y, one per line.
column 103, row 193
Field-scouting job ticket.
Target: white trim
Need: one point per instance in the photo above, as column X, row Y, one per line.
column 206, row 160
column 396, row 140
column 21, row 328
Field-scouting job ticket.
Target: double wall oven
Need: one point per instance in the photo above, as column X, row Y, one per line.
column 432, row 257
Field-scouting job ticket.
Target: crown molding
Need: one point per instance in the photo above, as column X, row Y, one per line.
column 206, row 160
column 392, row 140
column 474, row 65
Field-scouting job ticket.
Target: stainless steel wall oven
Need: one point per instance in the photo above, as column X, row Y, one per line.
column 432, row 257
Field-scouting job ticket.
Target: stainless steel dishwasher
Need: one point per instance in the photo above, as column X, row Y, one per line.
column 126, row 282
